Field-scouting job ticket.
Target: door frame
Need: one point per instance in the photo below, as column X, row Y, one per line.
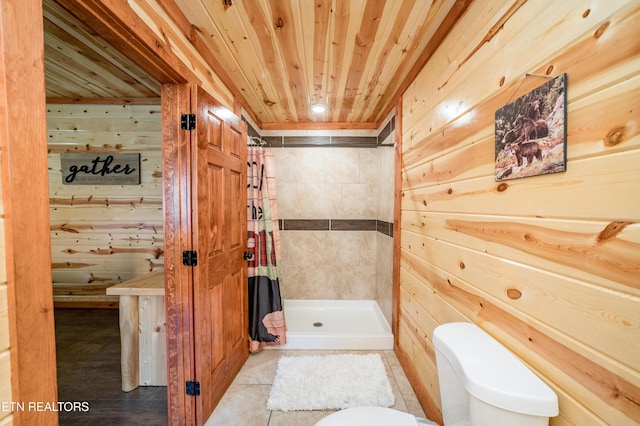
column 176, row 194
column 26, row 195
column 25, row 210
column 120, row 25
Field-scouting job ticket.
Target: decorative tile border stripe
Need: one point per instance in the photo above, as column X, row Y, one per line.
column 320, row 141
column 354, row 141
column 324, row 141
column 353, row 225
column 304, row 224
column 385, row 228
column 386, row 130
column 337, row 225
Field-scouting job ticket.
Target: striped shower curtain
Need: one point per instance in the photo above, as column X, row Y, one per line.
column 266, row 316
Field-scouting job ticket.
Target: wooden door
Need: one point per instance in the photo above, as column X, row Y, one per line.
column 220, row 238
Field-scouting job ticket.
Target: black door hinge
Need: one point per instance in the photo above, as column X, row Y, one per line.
column 189, row 258
column 188, row 121
column 193, row 388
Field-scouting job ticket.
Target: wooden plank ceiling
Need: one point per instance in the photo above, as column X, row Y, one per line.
column 355, row 56
column 81, row 66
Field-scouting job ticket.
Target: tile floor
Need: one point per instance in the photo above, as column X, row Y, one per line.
column 244, row 404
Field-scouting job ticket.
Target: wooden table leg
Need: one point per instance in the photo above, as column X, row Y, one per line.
column 152, row 341
column 129, row 342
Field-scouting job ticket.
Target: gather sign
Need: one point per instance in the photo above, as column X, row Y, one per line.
column 106, row 168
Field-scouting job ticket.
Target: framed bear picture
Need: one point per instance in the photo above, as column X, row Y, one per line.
column 531, row 132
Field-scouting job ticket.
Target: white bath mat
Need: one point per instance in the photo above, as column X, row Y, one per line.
column 330, row 382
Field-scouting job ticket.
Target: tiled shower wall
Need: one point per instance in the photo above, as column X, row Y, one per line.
column 335, row 203
column 384, row 249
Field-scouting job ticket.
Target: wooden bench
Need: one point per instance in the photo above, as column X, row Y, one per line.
column 143, row 356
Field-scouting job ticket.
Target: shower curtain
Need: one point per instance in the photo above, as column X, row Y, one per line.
column 266, row 317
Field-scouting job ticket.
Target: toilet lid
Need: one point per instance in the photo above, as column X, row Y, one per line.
column 368, row 416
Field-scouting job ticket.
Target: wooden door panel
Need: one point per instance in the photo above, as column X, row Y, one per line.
column 236, row 304
column 237, row 240
column 212, row 131
column 217, row 306
column 220, row 278
column 237, row 142
column 215, row 180
column 208, row 307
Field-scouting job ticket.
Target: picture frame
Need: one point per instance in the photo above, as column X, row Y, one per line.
column 531, row 132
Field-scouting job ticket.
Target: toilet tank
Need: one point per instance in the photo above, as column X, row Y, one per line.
column 483, row 383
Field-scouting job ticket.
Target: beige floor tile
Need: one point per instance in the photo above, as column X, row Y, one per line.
column 408, row 395
column 297, row 418
column 245, row 402
column 392, row 358
column 242, row 405
column 399, row 404
column 414, row 407
column 260, row 368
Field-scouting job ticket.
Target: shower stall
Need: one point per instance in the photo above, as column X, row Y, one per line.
column 335, row 204
column 336, row 325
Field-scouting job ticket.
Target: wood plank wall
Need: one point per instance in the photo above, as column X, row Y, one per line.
column 549, row 265
column 103, row 235
column 5, row 355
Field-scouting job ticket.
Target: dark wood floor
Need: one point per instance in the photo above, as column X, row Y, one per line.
column 88, row 358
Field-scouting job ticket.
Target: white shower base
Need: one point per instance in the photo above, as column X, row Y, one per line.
column 336, row 324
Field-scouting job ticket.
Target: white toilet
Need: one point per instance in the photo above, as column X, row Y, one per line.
column 481, row 383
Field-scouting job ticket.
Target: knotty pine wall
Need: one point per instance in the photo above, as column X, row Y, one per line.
column 548, row 265
column 104, row 234
column 5, row 355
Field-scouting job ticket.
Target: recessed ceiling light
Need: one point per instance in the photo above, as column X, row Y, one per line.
column 318, row 108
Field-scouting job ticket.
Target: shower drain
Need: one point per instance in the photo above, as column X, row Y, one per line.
column 318, row 324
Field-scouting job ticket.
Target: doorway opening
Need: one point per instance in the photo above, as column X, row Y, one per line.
column 100, row 105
